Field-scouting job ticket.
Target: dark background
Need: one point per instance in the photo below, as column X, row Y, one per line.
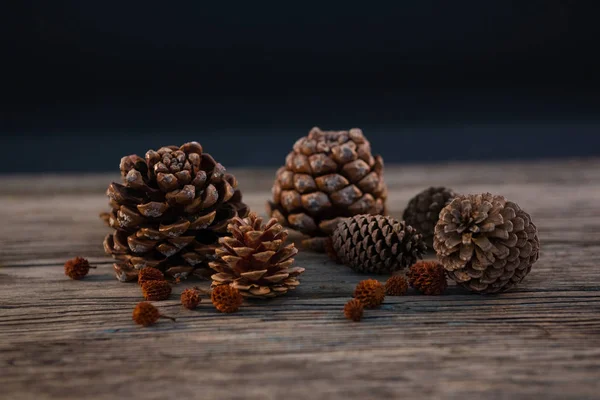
column 86, row 82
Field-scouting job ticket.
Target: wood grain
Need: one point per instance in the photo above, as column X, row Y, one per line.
column 72, row 340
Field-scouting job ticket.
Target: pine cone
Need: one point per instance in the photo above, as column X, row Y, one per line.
column 170, row 211
column 423, row 211
column 329, row 175
column 256, row 260
column 376, row 244
column 486, row 243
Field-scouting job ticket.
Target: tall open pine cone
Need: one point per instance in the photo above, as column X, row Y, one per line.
column 256, row 260
column 376, row 244
column 328, row 176
column 170, row 210
column 486, row 243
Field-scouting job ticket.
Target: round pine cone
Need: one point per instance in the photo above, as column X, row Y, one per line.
column 423, row 211
column 226, row 298
column 329, row 175
column 428, row 277
column 396, row 286
column 77, row 268
column 149, row 274
column 370, row 293
column 169, row 212
column 376, row 244
column 486, row 243
column 190, row 298
column 353, row 310
column 156, row 290
column 256, row 260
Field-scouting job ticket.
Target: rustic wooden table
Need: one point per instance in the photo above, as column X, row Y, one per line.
column 75, row 339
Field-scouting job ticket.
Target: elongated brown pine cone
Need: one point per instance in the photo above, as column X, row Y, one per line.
column 329, row 175
column 255, row 259
column 376, row 244
column 486, row 243
column 170, row 211
column 423, row 211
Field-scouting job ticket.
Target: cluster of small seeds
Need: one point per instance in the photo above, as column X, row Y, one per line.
column 425, row 276
column 155, row 287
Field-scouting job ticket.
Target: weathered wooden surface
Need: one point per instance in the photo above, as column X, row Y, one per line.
column 73, row 340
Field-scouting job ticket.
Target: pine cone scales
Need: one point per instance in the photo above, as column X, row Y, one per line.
column 255, row 259
column 423, row 211
column 170, row 210
column 376, row 244
column 328, row 176
column 486, row 243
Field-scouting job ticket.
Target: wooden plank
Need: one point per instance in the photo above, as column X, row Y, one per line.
column 66, row 339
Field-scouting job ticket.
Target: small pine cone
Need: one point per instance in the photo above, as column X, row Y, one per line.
column 226, row 298
column 377, row 244
column 190, row 298
column 329, row 175
column 423, row 211
column 146, row 314
column 353, row 310
column 150, row 274
column 256, row 259
column 77, row 268
column 370, row 293
column 486, row 243
column 156, row 290
column 396, row 286
column 428, row 277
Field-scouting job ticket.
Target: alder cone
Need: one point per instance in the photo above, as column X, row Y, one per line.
column 226, row 298
column 486, row 243
column 353, row 310
column 328, row 176
column 370, row 293
column 396, row 285
column 423, row 211
column 190, row 298
column 376, row 244
column 156, row 290
column 428, row 277
column 169, row 211
column 255, row 260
